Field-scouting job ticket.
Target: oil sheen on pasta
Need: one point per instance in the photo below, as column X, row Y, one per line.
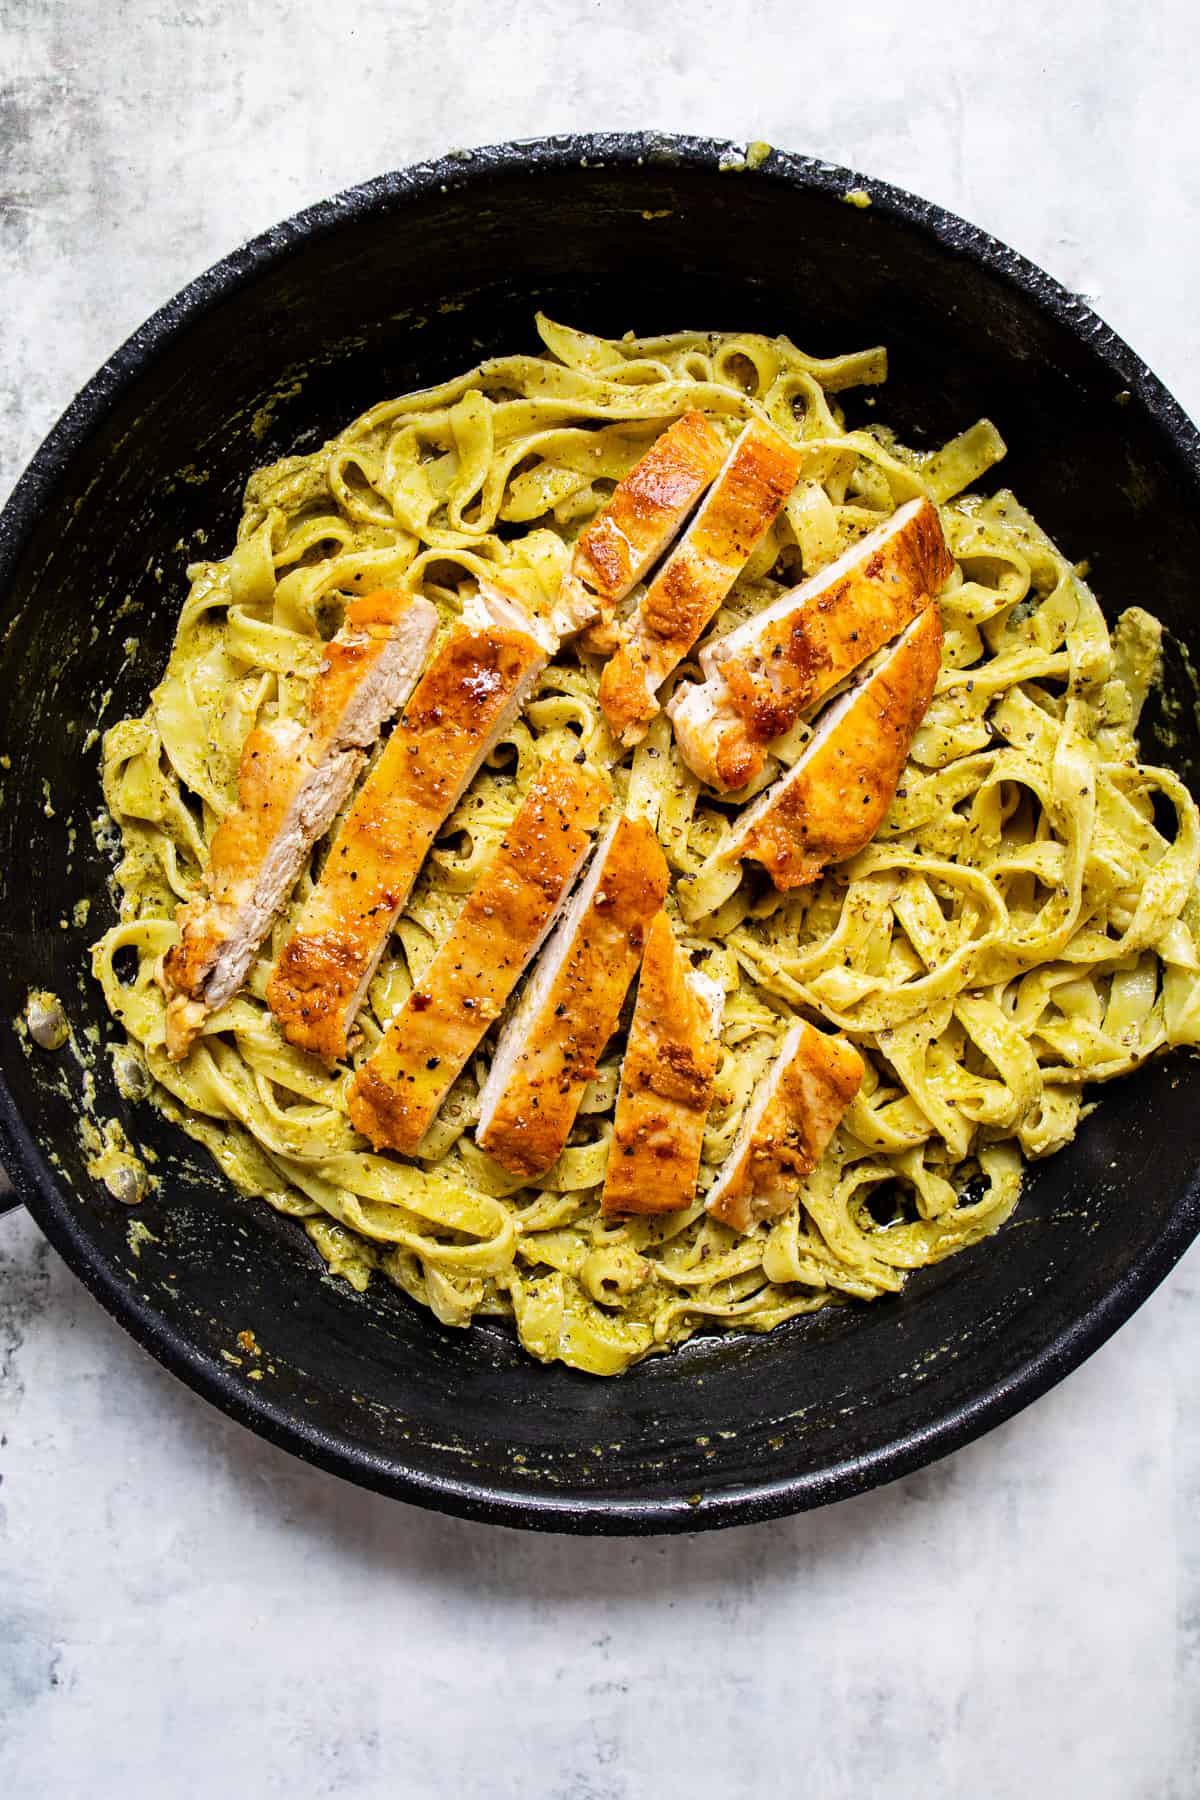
column 1024, row 922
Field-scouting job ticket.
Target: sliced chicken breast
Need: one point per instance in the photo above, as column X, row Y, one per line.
column 293, row 780
column 788, row 1125
column 666, row 1082
column 833, row 801
column 549, row 1049
column 759, row 473
column 647, row 508
column 760, row 677
column 396, row 1094
column 466, row 699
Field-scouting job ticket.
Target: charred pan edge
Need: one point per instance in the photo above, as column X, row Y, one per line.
column 35, row 1183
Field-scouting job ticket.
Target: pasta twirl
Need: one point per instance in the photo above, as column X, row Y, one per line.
column 1023, row 923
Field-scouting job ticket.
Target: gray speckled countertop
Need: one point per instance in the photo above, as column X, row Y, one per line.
column 184, row 1611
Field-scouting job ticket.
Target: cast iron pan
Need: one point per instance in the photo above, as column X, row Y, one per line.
column 400, row 283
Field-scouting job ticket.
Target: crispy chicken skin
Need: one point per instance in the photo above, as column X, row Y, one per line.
column 292, row 781
column 396, row 1094
column 833, row 801
column 666, row 1082
column 789, row 1123
column 647, row 508
column 758, row 475
column 467, row 697
column 549, row 1049
column 760, row 677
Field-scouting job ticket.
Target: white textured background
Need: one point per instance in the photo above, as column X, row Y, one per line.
column 184, row 1611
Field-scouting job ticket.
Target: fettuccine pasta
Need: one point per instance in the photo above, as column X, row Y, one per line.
column 1024, row 923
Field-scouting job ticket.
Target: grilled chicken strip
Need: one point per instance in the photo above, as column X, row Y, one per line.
column 466, row 699
column 647, row 508
column 759, row 474
column 549, row 1049
column 396, row 1094
column 292, row 781
column 666, row 1082
column 789, row 1122
column 763, row 675
column 834, row 799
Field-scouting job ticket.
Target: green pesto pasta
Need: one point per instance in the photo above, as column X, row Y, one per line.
column 1022, row 924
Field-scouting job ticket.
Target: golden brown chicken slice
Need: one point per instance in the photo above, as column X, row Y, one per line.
column 760, row 677
column 833, row 801
column 759, row 474
column 549, row 1049
column 788, row 1125
column 396, row 1094
column 648, row 506
column 666, row 1082
column 292, row 781
column 466, row 699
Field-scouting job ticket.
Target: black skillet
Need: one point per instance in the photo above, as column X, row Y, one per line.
column 397, row 284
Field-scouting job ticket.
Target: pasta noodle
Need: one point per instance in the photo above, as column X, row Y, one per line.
column 1025, row 921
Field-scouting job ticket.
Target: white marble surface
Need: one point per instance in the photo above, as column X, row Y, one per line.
column 184, row 1611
